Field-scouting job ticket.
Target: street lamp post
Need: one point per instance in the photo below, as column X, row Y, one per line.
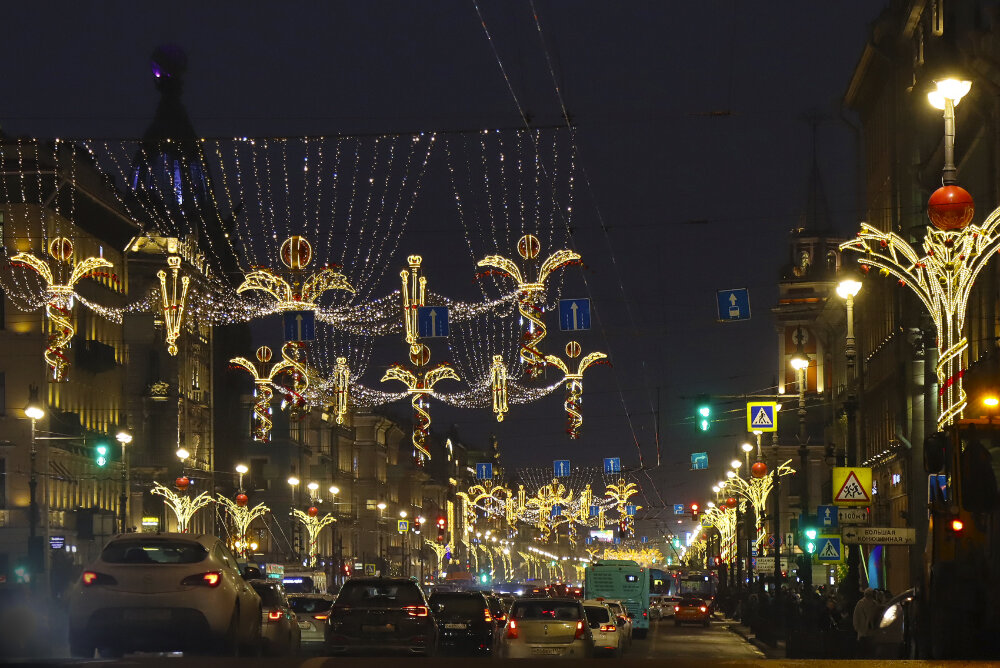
column 293, row 482
column 800, row 362
column 406, row 565
column 34, row 412
column 334, row 491
column 124, row 438
column 381, row 553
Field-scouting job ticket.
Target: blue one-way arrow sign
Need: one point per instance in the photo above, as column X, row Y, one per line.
column 484, row 471
column 432, row 321
column 612, row 465
column 733, row 304
column 574, row 314
column 300, row 325
column 560, row 468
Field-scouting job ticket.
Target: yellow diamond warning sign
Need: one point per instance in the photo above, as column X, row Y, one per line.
column 852, row 486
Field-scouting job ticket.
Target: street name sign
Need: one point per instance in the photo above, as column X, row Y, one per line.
column 432, row 321
column 766, row 564
column 574, row 314
column 879, row 536
column 762, row 416
column 734, row 305
column 852, row 515
column 300, row 325
column 852, row 486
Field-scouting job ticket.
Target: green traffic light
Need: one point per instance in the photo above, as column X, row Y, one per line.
column 704, row 411
column 811, row 534
column 102, row 455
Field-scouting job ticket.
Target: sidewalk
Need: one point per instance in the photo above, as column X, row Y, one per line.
column 744, row 632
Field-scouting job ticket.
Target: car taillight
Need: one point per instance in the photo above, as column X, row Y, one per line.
column 417, row 610
column 579, row 630
column 91, row 578
column 608, row 628
column 501, row 617
column 321, row 617
column 644, row 613
column 704, row 609
column 486, row 615
column 274, row 615
column 209, row 579
column 512, row 630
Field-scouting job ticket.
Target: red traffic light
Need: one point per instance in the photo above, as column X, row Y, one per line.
column 694, row 508
column 957, row 525
column 441, row 522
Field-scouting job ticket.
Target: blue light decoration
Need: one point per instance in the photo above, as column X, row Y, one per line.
column 447, row 553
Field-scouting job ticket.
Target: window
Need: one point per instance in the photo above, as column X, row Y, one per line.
column 153, row 551
column 258, row 481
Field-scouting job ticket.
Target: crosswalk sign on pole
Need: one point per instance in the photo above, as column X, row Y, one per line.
column 828, row 548
column 762, row 416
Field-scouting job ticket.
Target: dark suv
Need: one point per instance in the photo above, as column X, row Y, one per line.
column 381, row 615
column 465, row 621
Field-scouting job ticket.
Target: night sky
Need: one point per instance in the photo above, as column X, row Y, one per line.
column 693, row 158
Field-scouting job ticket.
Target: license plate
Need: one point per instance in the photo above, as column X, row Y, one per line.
column 456, row 626
column 381, row 628
column 305, row 625
column 149, row 615
column 546, row 650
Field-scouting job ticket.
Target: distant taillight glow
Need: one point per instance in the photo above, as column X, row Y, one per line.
column 274, row 615
column 957, row 525
column 321, row 617
column 703, row 609
column 512, row 630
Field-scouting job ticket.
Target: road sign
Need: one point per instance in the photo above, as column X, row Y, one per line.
column 852, row 516
column 560, row 468
column 766, row 564
column 699, row 460
column 630, row 509
column 827, row 517
column 734, row 305
column 644, row 539
column 402, row 526
column 432, row 321
column 771, row 539
column 762, row 416
column 853, row 485
column 680, row 509
column 706, row 522
column 828, row 548
column 574, row 314
column 880, row 536
column 369, row 569
column 300, row 325
column 484, row 471
column 612, row 465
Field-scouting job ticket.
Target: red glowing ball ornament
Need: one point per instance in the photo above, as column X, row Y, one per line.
column 313, row 511
column 758, row 470
column 730, row 502
column 241, row 500
column 182, row 482
column 950, row 208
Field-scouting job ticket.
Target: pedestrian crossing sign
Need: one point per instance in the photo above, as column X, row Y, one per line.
column 828, row 549
column 853, row 486
column 762, row 416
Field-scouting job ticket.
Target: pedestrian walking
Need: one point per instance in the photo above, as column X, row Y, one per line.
column 865, row 621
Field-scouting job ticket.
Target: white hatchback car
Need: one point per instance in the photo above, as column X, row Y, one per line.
column 609, row 636
column 163, row 592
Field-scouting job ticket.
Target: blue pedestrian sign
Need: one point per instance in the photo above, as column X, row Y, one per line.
column 300, row 325
column 432, row 322
column 612, row 465
column 574, row 314
column 826, row 517
column 828, row 548
column 560, row 468
column 734, row 305
column 699, row 460
column 762, row 416
column 484, row 471
column 680, row 509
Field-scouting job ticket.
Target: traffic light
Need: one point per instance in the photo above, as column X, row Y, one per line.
column 442, row 524
column 416, row 524
column 807, row 535
column 101, row 455
column 703, row 417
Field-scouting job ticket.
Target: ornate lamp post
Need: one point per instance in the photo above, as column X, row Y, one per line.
column 800, row 362
column 124, row 438
column 34, row 412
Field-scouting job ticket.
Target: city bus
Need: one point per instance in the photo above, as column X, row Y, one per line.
column 625, row 581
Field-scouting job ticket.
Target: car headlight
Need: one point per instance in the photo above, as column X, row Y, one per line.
column 889, row 616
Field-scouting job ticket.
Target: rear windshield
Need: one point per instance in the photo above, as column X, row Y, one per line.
column 269, row 594
column 597, row 615
column 310, row 604
column 387, row 594
column 450, row 604
column 692, row 602
column 543, row 609
column 153, row 551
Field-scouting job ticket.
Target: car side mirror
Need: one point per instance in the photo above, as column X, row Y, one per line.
column 251, row 573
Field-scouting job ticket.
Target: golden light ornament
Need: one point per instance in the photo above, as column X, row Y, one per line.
column 756, row 490
column 620, row 492
column 414, row 293
column 297, row 294
column 498, row 384
column 262, row 377
column 574, row 384
column 184, row 507
column 439, row 552
column 173, row 301
column 242, row 516
column 313, row 524
column 531, row 294
column 294, row 355
column 59, row 298
column 420, row 387
column 341, row 389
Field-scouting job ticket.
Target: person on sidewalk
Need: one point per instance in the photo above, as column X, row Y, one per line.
column 866, row 614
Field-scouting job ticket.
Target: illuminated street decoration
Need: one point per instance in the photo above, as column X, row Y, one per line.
column 184, row 507
column 172, row 301
column 59, row 298
column 647, row 556
column 439, row 551
column 314, row 525
column 756, row 490
column 293, row 354
column 723, row 519
column 242, row 516
column 420, row 387
column 942, row 278
column 414, row 292
column 620, row 492
column 295, row 295
column 489, row 499
column 531, row 294
column 498, row 384
column 574, row 384
column 262, row 378
column 341, row 389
